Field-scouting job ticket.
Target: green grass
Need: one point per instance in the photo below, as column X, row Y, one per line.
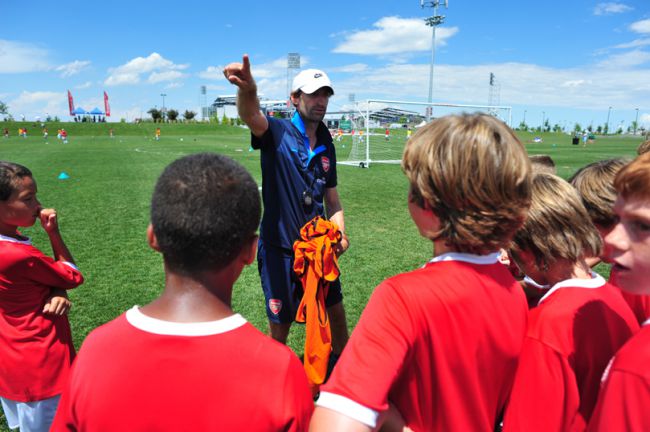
column 103, row 210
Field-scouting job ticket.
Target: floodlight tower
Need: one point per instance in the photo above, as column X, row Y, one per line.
column 494, row 98
column 163, row 106
column 204, row 103
column 293, row 62
column 433, row 21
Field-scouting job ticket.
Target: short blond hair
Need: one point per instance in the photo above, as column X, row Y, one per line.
column 644, row 147
column 557, row 226
column 474, row 174
column 543, row 163
column 595, row 184
column 633, row 180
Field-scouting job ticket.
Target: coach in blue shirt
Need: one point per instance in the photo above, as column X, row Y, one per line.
column 298, row 182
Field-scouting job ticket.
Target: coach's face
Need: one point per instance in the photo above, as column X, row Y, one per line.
column 312, row 107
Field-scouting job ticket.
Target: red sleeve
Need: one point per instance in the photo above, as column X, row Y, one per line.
column 623, row 404
column 545, row 393
column 375, row 354
column 297, row 400
column 57, row 274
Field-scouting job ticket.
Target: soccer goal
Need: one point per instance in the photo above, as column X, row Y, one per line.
column 382, row 127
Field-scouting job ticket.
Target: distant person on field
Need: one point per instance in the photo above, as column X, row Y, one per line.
column 45, row 133
column 625, row 395
column 644, row 147
column 110, row 133
column 64, row 136
column 186, row 361
column 387, row 134
column 157, row 134
column 299, row 178
column 579, row 323
column 441, row 343
column 6, row 132
column 36, row 348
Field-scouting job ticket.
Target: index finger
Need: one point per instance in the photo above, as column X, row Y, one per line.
column 246, row 64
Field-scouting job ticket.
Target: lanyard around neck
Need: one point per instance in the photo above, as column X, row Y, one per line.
column 296, row 120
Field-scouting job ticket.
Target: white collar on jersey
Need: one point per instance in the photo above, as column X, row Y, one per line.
column 646, row 322
column 15, row 240
column 465, row 257
column 596, row 281
column 153, row 325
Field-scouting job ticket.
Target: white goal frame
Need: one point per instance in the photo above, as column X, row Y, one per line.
column 368, row 161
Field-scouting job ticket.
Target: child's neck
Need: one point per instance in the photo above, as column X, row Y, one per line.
column 562, row 270
column 192, row 299
column 10, row 231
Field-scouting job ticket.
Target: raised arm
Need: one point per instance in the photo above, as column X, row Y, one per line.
column 248, row 105
column 51, row 226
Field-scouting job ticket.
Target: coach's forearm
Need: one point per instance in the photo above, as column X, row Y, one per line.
column 248, row 108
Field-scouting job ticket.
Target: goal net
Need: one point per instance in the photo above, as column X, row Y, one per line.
column 380, row 128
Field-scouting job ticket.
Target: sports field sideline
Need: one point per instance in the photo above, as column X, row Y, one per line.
column 103, row 209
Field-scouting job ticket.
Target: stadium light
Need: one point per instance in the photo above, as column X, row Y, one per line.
column 163, row 106
column 636, row 122
column 434, row 20
column 543, row 115
column 609, row 111
column 525, row 111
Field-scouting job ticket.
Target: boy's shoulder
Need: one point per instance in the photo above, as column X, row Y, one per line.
column 634, row 356
column 15, row 250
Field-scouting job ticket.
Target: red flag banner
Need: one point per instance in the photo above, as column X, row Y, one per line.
column 70, row 103
column 107, row 107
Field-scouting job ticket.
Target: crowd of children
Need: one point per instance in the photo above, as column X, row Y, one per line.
column 454, row 345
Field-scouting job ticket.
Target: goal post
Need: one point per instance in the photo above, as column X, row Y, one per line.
column 387, row 124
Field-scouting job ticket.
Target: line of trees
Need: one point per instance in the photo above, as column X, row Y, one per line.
column 171, row 115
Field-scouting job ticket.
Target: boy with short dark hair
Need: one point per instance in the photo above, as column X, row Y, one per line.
column 186, row 361
column 625, row 396
column 578, row 324
column 36, row 347
column 441, row 343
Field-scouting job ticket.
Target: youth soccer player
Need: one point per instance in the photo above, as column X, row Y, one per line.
column 595, row 184
column 441, row 342
column 578, row 324
column 625, row 396
column 36, row 347
column 186, row 361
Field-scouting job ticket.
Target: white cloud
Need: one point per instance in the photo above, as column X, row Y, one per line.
column 611, row 8
column 642, row 26
column 637, row 43
column 628, row 59
column 351, row 68
column 644, row 120
column 19, row 57
column 394, row 35
column 130, row 72
column 174, row 85
column 212, row 73
column 575, row 83
column 39, row 103
column 73, row 68
column 171, row 75
column 85, row 85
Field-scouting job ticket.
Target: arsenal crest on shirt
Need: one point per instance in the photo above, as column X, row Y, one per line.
column 324, row 160
column 275, row 305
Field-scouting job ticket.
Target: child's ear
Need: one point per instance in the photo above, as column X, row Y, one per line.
column 151, row 239
column 249, row 252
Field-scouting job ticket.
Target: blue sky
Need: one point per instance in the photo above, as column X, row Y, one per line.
column 568, row 61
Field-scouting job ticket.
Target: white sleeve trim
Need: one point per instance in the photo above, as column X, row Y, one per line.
column 69, row 264
column 349, row 408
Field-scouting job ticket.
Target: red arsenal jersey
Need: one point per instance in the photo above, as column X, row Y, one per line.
column 624, row 399
column 572, row 335
column 142, row 374
column 441, row 343
column 36, row 349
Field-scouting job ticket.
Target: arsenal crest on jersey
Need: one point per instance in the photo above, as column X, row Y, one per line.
column 275, row 305
column 324, row 160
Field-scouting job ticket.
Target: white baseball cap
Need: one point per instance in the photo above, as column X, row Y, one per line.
column 310, row 80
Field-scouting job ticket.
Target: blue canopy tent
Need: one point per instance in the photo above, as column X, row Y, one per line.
column 96, row 111
column 79, row 111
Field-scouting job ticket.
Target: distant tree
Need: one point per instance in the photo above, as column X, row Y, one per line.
column 56, row 119
column 523, row 126
column 590, row 128
column 557, row 128
column 172, row 115
column 619, row 130
column 606, row 129
column 599, row 129
column 156, row 114
column 547, row 126
column 634, row 126
column 3, row 108
column 189, row 115
column 225, row 120
column 577, row 128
